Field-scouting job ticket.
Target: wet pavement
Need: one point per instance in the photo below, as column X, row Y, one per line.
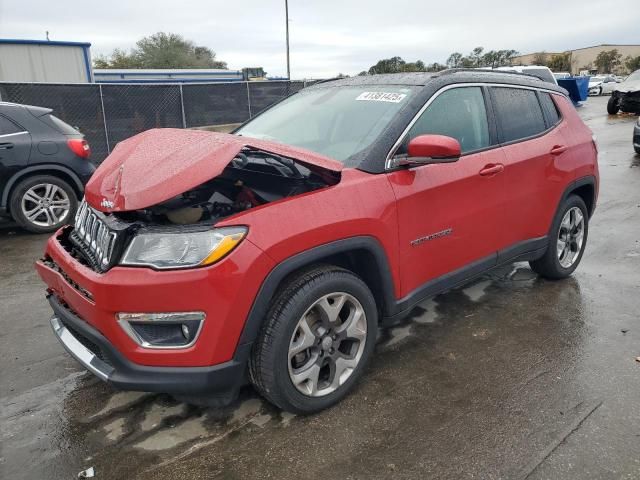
column 511, row 376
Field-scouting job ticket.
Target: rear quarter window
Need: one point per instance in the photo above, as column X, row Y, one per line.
column 518, row 112
column 550, row 108
column 59, row 125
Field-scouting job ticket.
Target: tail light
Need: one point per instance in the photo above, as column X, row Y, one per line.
column 80, row 147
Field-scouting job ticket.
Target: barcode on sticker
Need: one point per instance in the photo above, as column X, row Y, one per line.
column 382, row 97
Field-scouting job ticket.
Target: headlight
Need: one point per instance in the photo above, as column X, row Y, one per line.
column 182, row 249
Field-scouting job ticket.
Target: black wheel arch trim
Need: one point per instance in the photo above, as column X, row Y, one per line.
column 33, row 170
column 308, row 257
column 581, row 182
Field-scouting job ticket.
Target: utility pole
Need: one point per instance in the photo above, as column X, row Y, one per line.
column 286, row 9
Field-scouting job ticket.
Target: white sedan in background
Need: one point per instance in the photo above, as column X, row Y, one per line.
column 601, row 85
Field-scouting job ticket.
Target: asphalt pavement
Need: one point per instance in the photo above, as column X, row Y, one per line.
column 511, row 376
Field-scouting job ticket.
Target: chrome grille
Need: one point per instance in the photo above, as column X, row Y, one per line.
column 95, row 236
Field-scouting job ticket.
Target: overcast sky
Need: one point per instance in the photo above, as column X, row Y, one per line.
column 329, row 36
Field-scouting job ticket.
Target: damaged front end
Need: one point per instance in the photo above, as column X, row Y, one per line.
column 133, row 216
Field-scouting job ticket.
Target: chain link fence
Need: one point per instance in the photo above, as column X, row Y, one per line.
column 109, row 113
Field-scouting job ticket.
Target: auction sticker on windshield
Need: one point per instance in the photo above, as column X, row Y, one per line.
column 382, row 97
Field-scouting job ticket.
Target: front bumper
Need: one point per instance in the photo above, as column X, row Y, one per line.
column 100, row 357
column 629, row 101
column 224, row 292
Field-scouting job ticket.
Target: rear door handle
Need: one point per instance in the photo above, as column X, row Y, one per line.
column 558, row 149
column 491, row 169
column 6, row 146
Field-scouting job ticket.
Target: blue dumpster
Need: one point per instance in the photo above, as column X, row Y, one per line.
column 578, row 88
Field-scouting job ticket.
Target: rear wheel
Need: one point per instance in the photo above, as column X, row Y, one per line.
column 43, row 203
column 613, row 105
column 317, row 339
column 567, row 240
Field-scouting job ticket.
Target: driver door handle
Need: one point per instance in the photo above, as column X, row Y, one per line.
column 558, row 149
column 491, row 169
column 6, row 146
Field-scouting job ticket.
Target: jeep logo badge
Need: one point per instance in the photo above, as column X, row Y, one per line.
column 106, row 203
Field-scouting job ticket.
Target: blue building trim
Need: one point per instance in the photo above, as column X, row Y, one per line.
column 18, row 41
column 87, row 63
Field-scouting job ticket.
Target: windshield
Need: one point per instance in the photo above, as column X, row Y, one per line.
column 634, row 76
column 337, row 122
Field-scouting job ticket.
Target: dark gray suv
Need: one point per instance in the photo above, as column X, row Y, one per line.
column 44, row 165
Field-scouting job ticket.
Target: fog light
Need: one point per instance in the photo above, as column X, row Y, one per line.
column 162, row 330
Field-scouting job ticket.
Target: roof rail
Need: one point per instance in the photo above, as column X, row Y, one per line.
column 450, row 71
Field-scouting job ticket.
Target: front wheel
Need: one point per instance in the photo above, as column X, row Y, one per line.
column 613, row 105
column 317, row 339
column 567, row 240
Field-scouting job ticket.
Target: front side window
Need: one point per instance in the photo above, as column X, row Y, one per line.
column 518, row 113
column 338, row 122
column 459, row 113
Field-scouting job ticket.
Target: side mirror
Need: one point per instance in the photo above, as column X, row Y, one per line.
column 427, row 149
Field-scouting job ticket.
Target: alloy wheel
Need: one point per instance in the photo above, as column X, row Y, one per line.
column 45, row 205
column 327, row 344
column 570, row 237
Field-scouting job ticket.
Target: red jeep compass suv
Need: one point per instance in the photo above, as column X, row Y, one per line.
column 201, row 261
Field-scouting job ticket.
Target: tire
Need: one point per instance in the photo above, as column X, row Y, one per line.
column 556, row 264
column 600, row 91
column 613, row 105
column 637, row 149
column 52, row 200
column 276, row 359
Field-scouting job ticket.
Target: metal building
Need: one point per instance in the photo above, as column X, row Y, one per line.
column 166, row 75
column 45, row 61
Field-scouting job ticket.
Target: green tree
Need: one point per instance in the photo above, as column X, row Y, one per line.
column 118, row 59
column 396, row 65
column 560, row 62
column 454, row 60
column 608, row 60
column 162, row 50
column 632, row 63
column 476, row 55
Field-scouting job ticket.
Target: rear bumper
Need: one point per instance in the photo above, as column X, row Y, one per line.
column 100, row 357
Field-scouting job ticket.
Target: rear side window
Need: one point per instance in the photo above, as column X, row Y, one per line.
column 518, row 113
column 549, row 107
column 459, row 113
column 59, row 125
column 7, row 126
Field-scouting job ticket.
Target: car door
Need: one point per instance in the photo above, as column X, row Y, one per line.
column 15, row 148
column 450, row 215
column 535, row 147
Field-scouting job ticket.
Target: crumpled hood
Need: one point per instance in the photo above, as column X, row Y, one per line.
column 628, row 86
column 159, row 164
